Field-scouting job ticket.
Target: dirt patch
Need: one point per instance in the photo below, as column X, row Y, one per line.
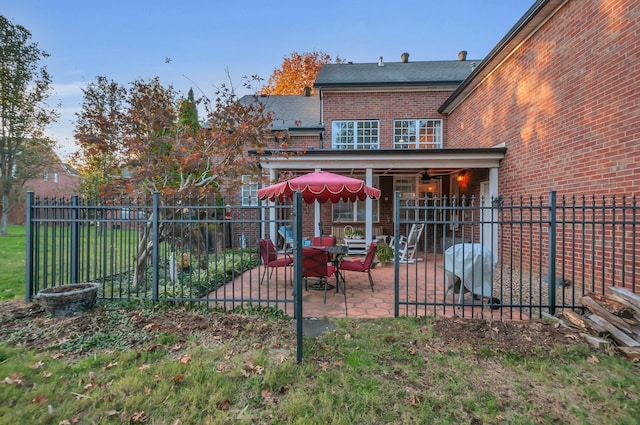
column 29, row 325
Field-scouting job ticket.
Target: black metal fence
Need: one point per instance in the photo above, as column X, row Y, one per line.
column 155, row 249
column 543, row 253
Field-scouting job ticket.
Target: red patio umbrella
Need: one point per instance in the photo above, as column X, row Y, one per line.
column 320, row 186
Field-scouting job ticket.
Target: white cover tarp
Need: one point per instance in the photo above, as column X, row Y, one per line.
column 472, row 263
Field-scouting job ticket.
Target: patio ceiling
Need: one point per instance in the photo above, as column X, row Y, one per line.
column 382, row 162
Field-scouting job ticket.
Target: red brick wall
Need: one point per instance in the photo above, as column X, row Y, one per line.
column 566, row 105
column 383, row 106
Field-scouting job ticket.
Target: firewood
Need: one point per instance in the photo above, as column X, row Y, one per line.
column 604, row 328
column 631, row 353
column 613, row 306
column 574, row 318
column 595, row 341
column 631, row 298
column 598, row 310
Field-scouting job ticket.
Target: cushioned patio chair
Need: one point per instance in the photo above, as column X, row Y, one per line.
column 271, row 260
column 360, row 266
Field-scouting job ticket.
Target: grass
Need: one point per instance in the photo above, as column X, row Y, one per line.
column 357, row 374
column 398, row 371
column 12, row 263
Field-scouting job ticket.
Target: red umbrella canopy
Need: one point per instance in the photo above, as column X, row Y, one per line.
column 320, row 186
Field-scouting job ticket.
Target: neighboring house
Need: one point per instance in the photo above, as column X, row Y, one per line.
column 57, row 180
column 554, row 106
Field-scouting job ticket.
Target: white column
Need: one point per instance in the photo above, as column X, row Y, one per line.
column 368, row 226
column 273, row 229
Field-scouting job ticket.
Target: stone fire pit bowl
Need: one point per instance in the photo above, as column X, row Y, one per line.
column 67, row 300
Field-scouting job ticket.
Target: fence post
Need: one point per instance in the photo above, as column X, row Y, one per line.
column 75, row 240
column 297, row 270
column 155, row 248
column 551, row 267
column 29, row 251
column 396, row 254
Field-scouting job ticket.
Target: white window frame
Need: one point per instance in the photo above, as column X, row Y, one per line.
column 360, row 206
column 249, row 191
column 424, row 133
column 355, row 134
column 55, row 177
column 45, row 177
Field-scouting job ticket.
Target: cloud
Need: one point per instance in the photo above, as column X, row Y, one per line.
column 73, row 89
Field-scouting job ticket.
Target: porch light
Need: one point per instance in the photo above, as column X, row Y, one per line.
column 462, row 175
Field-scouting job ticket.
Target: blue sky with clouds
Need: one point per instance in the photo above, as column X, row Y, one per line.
column 127, row 40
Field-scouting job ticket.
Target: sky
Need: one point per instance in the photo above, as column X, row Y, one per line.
column 203, row 44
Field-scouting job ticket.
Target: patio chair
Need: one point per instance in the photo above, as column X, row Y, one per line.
column 271, row 260
column 323, row 241
column 408, row 245
column 360, row 266
column 286, row 233
column 316, row 264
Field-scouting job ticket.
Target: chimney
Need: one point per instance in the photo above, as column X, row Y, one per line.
column 462, row 56
column 380, row 63
column 307, row 91
column 404, row 57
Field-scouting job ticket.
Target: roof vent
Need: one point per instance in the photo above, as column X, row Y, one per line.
column 404, row 57
column 380, row 63
column 307, row 91
column 462, row 55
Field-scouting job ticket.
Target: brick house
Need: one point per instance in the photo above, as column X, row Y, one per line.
column 57, row 180
column 554, row 106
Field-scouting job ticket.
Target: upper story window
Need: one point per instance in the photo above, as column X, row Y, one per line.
column 355, row 135
column 55, row 177
column 249, row 191
column 46, row 176
column 417, row 134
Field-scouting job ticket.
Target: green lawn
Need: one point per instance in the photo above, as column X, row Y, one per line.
column 171, row 364
column 12, row 261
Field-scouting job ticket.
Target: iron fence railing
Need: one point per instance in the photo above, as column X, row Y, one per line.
column 544, row 253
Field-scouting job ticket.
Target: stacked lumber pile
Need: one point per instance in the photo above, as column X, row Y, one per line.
column 615, row 316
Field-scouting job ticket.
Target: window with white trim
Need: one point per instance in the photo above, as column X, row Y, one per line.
column 55, row 177
column 355, row 212
column 417, row 134
column 355, row 135
column 46, row 176
column 249, row 191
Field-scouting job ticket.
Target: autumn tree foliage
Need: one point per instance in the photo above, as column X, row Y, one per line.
column 298, row 70
column 152, row 132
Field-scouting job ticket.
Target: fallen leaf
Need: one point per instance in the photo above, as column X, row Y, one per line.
column 110, row 365
column 138, row 417
column 176, row 347
column 57, row 356
column 37, row 365
column 267, row 396
column 592, row 359
column 412, row 351
column 185, row 359
column 259, row 370
column 224, row 404
column 539, row 419
column 47, row 374
column 64, row 422
column 347, row 336
column 144, row 366
column 38, row 399
column 112, row 412
column 338, row 363
column 178, row 378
